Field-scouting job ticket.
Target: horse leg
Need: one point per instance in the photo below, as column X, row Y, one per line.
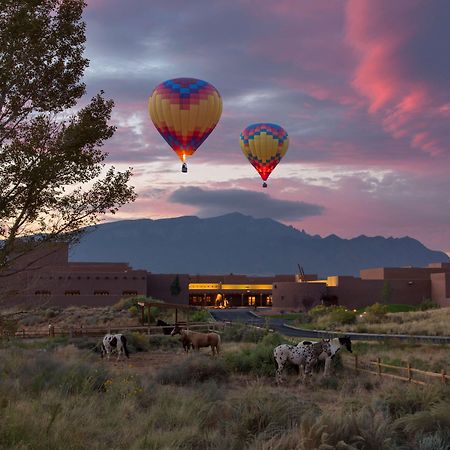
column 279, row 373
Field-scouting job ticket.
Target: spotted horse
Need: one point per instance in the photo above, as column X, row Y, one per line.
column 307, row 355
column 114, row 342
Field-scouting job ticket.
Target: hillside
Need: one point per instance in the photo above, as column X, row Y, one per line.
column 235, row 243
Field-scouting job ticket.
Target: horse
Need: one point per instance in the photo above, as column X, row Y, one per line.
column 113, row 342
column 199, row 340
column 335, row 345
column 308, row 354
column 167, row 328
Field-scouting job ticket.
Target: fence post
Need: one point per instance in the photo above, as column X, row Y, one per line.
column 443, row 376
column 379, row 366
column 408, row 367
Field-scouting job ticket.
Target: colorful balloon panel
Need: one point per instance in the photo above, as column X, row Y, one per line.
column 185, row 111
column 264, row 144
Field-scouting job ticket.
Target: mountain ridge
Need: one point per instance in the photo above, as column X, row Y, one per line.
column 236, row 243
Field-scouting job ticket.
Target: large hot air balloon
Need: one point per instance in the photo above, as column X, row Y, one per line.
column 185, row 111
column 264, row 144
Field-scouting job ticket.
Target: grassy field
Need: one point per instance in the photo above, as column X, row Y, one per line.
column 58, row 394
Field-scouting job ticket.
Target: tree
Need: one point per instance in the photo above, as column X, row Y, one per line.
column 175, row 287
column 53, row 179
column 386, row 293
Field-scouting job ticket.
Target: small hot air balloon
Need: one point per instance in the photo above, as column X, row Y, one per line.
column 264, row 144
column 185, row 111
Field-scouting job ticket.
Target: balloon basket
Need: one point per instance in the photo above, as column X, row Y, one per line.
column 184, row 168
column 264, row 184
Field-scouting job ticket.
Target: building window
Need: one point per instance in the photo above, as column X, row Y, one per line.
column 116, row 278
column 269, row 300
column 101, row 293
column 42, row 293
column 251, row 300
column 129, row 293
column 70, row 293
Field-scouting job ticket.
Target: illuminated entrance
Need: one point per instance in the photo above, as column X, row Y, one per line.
column 222, row 295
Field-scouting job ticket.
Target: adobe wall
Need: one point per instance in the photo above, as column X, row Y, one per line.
column 288, row 296
column 158, row 287
column 355, row 292
column 399, row 273
column 64, row 288
column 440, row 288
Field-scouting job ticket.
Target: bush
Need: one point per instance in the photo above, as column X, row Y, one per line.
column 257, row 360
column 264, row 414
column 242, row 333
column 195, row 369
column 426, row 304
column 201, row 315
column 338, row 316
column 41, row 372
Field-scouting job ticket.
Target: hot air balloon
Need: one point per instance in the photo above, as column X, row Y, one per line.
column 185, row 111
column 264, row 144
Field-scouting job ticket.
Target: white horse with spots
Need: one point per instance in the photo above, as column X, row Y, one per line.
column 307, row 354
column 114, row 342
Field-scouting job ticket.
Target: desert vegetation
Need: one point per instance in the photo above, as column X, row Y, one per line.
column 57, row 393
column 376, row 318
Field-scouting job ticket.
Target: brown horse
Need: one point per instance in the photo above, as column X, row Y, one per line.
column 199, row 340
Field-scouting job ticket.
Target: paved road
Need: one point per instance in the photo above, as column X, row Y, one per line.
column 247, row 316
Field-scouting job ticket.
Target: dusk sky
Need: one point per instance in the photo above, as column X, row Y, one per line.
column 361, row 86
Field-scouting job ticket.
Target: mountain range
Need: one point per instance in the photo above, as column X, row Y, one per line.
column 235, row 243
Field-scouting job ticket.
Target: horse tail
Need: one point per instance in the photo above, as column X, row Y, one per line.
column 123, row 339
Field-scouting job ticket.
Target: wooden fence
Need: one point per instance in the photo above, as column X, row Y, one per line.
column 407, row 372
column 101, row 331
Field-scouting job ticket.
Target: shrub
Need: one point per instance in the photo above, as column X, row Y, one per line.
column 319, row 310
column 426, row 304
column 411, row 399
column 201, row 315
column 194, row 369
column 265, row 414
column 242, row 333
column 133, row 311
column 258, row 360
column 128, row 302
column 337, row 316
column 437, row 417
column 137, row 342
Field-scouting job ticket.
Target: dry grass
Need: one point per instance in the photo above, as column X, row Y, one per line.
column 434, row 322
column 58, row 396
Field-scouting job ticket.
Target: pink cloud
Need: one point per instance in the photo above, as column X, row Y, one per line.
column 392, row 72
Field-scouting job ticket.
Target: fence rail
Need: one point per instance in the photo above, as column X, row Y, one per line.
column 407, row 371
column 100, row 331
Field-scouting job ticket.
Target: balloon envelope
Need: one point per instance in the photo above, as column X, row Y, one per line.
column 185, row 111
column 264, row 144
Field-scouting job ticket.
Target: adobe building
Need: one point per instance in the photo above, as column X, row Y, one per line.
column 404, row 285
column 47, row 278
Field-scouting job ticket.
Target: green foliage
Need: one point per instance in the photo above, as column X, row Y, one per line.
column 375, row 313
column 138, row 342
column 201, row 315
column 386, row 292
column 195, row 369
column 242, row 333
column 44, row 372
column 50, row 155
column 257, row 360
column 318, row 311
column 427, row 304
column 175, row 287
column 411, row 399
column 127, row 302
